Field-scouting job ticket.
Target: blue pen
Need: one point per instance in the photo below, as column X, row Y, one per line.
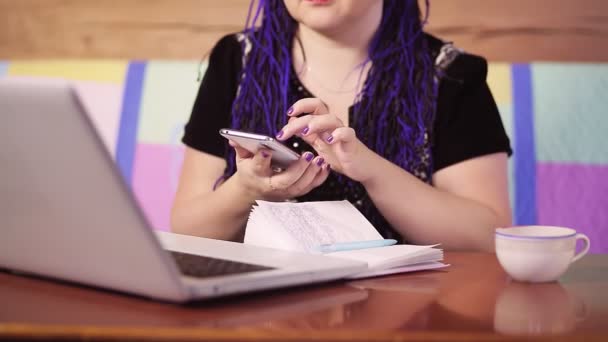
column 349, row 246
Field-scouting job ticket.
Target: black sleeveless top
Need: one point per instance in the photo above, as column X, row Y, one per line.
column 467, row 122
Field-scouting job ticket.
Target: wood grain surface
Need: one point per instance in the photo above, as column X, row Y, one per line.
column 513, row 31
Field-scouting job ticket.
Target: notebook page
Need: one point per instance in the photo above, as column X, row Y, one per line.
column 392, row 256
column 311, row 224
column 265, row 231
column 403, row 269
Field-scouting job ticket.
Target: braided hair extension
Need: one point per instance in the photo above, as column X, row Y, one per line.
column 397, row 99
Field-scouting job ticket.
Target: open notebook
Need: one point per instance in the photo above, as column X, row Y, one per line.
column 305, row 226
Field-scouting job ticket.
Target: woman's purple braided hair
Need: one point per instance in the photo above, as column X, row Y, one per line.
column 398, row 97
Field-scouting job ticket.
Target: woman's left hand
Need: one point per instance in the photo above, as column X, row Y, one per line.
column 326, row 133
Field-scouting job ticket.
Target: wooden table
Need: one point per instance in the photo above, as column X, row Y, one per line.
column 471, row 300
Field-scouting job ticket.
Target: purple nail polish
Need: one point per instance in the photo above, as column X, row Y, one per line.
column 265, row 154
column 330, row 139
column 320, row 161
column 280, row 134
column 290, row 110
column 305, row 130
column 308, row 156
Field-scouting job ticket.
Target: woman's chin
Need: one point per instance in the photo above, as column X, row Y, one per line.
column 322, row 25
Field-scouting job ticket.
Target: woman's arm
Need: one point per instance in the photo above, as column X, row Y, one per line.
column 468, row 201
column 469, row 198
column 222, row 213
column 198, row 210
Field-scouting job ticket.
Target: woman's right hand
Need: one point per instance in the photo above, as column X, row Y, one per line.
column 256, row 176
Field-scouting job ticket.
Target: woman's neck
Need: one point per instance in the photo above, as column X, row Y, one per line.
column 344, row 48
column 332, row 65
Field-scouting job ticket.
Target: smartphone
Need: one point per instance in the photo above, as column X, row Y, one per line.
column 282, row 156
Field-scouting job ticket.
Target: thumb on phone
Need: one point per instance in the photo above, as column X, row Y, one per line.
column 241, row 153
column 261, row 160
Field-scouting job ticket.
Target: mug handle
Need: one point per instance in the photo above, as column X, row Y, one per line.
column 580, row 254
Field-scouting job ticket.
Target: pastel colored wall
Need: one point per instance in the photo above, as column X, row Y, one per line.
column 554, row 113
column 135, row 63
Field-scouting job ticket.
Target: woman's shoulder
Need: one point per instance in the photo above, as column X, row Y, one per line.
column 237, row 41
column 234, row 46
column 226, row 56
column 227, row 44
column 455, row 64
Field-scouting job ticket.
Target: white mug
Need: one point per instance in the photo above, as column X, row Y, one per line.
column 538, row 253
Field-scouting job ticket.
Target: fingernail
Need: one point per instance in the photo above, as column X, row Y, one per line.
column 280, row 134
column 290, row 110
column 330, row 139
column 305, row 130
column 320, row 161
column 265, row 154
column 308, row 156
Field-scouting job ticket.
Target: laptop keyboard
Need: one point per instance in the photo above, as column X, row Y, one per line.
column 202, row 267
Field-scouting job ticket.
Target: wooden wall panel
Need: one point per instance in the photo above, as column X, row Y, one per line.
column 116, row 28
column 502, row 30
column 525, row 30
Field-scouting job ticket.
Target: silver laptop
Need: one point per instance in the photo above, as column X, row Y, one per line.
column 67, row 214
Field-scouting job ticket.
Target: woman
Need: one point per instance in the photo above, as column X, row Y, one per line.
column 402, row 124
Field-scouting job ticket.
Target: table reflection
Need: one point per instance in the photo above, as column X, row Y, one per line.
column 532, row 309
column 472, row 298
column 392, row 303
column 22, row 298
